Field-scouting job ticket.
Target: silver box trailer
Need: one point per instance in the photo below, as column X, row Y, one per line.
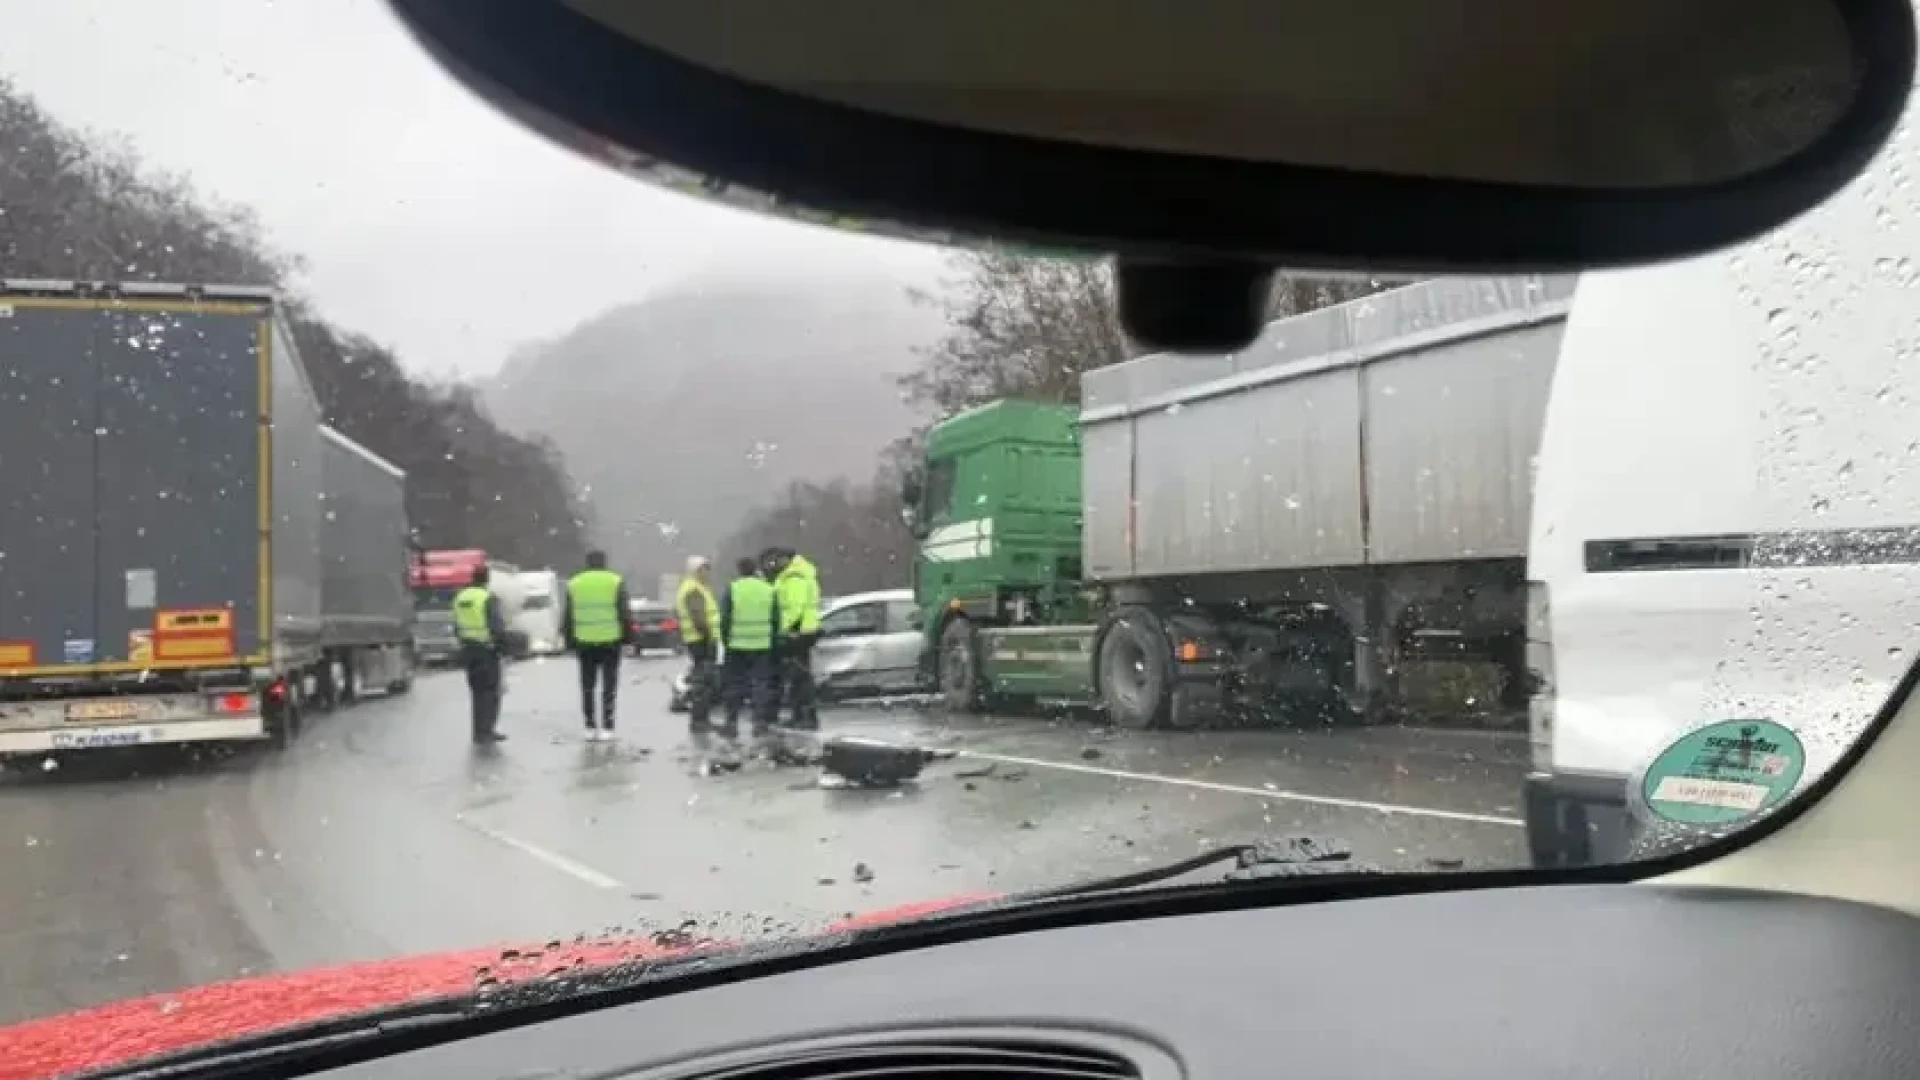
column 1350, row 492
column 366, row 609
column 160, row 470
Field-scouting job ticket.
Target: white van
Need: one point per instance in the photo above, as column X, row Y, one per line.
column 1725, row 505
column 539, row 615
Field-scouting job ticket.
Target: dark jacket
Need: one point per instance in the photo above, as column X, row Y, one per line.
column 496, row 622
column 726, row 617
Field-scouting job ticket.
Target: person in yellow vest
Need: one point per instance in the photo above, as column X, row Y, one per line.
column 482, row 633
column 597, row 628
column 798, row 586
column 750, row 633
column 699, row 617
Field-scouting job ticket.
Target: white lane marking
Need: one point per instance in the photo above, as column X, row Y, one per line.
column 574, row 869
column 1276, row 795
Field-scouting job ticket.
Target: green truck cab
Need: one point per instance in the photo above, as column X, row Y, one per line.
column 996, row 509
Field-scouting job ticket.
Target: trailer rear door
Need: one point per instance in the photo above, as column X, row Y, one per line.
column 48, row 419
column 181, row 502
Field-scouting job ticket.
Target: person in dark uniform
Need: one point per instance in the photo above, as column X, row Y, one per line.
column 597, row 628
column 482, row 632
column 750, row 632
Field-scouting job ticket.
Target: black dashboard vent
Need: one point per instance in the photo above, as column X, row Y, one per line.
column 957, row 1060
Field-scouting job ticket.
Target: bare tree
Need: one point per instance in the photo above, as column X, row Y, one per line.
column 1297, row 294
column 1027, row 327
column 1018, row 327
column 852, row 532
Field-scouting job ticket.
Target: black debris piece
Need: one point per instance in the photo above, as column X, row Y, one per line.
column 871, row 764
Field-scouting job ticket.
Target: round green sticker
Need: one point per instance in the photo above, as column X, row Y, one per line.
column 1724, row 772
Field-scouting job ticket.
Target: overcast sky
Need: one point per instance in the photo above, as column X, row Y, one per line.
column 425, row 219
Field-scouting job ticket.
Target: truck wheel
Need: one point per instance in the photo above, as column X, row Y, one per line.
column 350, row 678
column 959, row 668
column 407, row 664
column 326, row 690
column 283, row 718
column 1136, row 670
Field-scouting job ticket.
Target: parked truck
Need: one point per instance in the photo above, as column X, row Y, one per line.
column 540, row 620
column 167, row 562
column 1300, row 530
column 436, row 578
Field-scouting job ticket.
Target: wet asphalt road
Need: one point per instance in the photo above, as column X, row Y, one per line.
column 383, row 832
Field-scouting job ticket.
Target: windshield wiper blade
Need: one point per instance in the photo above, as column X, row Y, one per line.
column 1267, row 860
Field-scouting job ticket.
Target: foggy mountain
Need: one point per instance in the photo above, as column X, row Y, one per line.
column 682, row 412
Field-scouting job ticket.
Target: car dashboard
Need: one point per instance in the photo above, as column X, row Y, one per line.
column 1527, row 983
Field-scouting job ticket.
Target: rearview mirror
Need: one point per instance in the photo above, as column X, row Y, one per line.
column 910, row 517
column 1476, row 136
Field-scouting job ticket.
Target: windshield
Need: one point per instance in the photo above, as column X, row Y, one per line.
column 428, row 599
column 1462, row 573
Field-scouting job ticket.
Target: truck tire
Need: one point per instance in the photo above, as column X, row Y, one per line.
column 1136, row 670
column 283, row 719
column 408, row 664
column 958, row 667
column 349, row 686
column 326, row 689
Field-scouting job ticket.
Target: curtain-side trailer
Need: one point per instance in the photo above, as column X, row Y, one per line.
column 161, row 465
column 366, row 608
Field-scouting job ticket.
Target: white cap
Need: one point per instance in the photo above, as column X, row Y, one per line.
column 697, row 562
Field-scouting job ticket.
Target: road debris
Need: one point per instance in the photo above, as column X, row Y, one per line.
column 864, row 763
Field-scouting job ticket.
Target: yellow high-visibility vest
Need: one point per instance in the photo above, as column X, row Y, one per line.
column 752, row 627
column 470, row 615
column 593, row 596
column 683, row 609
